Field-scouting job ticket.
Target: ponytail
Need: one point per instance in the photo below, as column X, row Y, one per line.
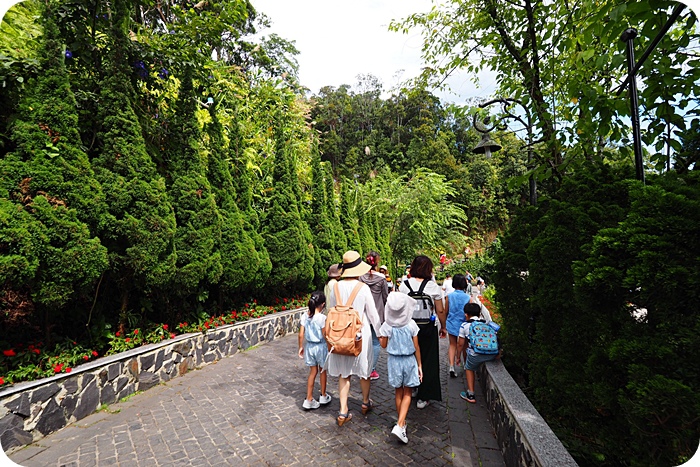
column 373, row 260
column 317, row 299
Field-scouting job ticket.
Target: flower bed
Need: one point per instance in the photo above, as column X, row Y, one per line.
column 30, row 410
column 31, row 361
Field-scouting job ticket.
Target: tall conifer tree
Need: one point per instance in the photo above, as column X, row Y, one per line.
column 238, row 256
column 49, row 191
column 291, row 254
column 340, row 241
column 348, row 216
column 141, row 228
column 198, row 219
column 241, row 177
column 320, row 224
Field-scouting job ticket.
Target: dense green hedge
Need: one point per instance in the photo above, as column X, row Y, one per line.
column 598, row 288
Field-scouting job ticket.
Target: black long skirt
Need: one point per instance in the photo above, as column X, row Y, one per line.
column 430, row 360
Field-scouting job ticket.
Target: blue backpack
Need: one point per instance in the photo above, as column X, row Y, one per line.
column 483, row 338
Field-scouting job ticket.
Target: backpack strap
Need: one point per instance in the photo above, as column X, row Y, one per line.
column 354, row 292
column 410, row 290
column 422, row 285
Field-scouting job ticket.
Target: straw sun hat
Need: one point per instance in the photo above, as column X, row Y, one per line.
column 353, row 266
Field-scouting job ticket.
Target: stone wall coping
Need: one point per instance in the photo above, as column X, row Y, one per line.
column 104, row 361
column 544, row 444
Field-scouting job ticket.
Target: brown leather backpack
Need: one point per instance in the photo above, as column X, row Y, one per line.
column 343, row 325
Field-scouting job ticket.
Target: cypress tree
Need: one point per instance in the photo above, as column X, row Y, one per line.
column 141, row 230
column 340, row 241
column 348, row 217
column 291, row 254
column 238, row 255
column 320, row 224
column 243, row 191
column 49, row 192
column 196, row 213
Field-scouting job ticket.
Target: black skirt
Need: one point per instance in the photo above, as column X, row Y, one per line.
column 430, row 360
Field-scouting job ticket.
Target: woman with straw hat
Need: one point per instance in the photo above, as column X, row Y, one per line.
column 344, row 366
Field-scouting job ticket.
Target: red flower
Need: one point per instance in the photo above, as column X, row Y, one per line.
column 118, row 334
column 94, row 353
column 165, row 326
column 58, row 368
column 2, row 381
column 36, row 351
column 255, row 300
column 9, row 353
column 136, row 331
column 246, row 305
column 284, row 307
column 128, row 339
column 172, row 336
column 85, row 357
column 286, row 300
column 68, row 370
column 206, row 325
column 184, row 324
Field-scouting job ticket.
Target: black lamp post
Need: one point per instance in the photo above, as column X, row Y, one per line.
column 628, row 36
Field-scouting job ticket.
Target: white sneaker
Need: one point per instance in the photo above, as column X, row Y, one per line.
column 452, row 372
column 422, row 404
column 323, row 400
column 312, row 404
column 400, row 432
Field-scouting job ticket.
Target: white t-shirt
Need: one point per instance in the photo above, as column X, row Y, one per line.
column 385, row 330
column 447, row 287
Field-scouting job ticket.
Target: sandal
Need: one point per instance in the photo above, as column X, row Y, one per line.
column 367, row 406
column 343, row 417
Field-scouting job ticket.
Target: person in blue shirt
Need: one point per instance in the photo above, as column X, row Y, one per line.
column 399, row 336
column 313, row 349
column 454, row 304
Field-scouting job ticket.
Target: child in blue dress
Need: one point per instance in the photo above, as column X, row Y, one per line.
column 399, row 336
column 313, row 349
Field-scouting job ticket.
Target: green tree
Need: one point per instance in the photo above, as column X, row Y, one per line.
column 197, row 215
column 415, row 212
column 348, row 216
column 320, row 224
column 532, row 44
column 139, row 232
column 48, row 190
column 239, row 258
column 291, row 254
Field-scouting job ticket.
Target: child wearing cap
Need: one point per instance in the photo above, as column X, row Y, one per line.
column 399, row 336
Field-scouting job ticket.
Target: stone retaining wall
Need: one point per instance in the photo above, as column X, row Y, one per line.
column 31, row 410
column 524, row 437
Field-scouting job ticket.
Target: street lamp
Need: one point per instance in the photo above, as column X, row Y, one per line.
column 486, row 146
column 505, row 103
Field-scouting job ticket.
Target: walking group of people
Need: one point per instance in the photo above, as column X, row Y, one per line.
column 407, row 323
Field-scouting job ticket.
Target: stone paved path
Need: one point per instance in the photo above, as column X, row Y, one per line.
column 246, row 410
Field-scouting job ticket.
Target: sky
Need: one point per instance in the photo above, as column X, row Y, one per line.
column 340, row 39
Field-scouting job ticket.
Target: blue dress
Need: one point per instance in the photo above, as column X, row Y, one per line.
column 455, row 315
column 315, row 347
column 401, row 362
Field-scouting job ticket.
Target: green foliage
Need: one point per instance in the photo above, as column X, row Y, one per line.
column 239, row 258
column 596, row 293
column 531, row 45
column 197, row 215
column 415, row 213
column 284, row 231
column 140, row 228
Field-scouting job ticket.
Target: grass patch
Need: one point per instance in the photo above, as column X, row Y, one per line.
column 105, row 408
